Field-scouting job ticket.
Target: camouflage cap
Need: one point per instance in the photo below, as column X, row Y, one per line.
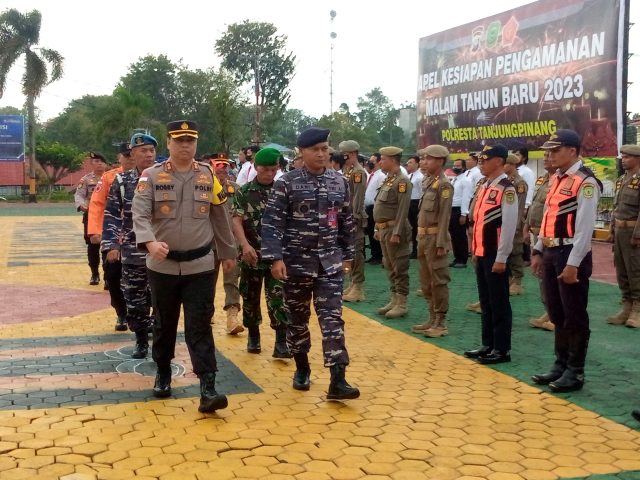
column 437, row 151
column 390, row 151
column 633, row 150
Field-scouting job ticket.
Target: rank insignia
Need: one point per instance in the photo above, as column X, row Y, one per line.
column 587, row 191
column 164, row 177
column 540, row 181
column 204, row 196
column 510, row 197
column 357, row 178
column 203, row 179
column 402, row 187
column 634, row 181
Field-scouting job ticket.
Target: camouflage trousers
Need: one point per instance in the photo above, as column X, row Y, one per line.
column 326, row 291
column 251, row 280
column 137, row 296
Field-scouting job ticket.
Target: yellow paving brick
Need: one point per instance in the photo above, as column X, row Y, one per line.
column 36, row 443
column 21, row 453
column 73, row 459
column 19, row 474
column 376, row 468
column 36, row 462
column 313, row 476
column 286, row 469
column 153, row 470
column 260, row 461
column 55, row 470
column 474, row 470
column 109, row 457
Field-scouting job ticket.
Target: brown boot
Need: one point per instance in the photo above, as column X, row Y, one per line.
column 474, row 307
column 423, row 327
column 233, row 326
column 439, row 329
column 419, row 293
column 634, row 318
column 355, row 294
column 548, row 325
column 516, row 287
column 388, row 306
column 347, row 290
column 623, row 315
column 539, row 322
column 399, row 309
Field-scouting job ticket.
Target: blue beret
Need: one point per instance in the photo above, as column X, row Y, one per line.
column 312, row 136
column 562, row 138
column 497, row 150
column 140, row 139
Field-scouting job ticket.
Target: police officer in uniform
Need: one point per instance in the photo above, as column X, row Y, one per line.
column 562, row 255
column 474, row 306
column 119, row 241
column 249, row 204
column 82, row 198
column 393, row 230
column 178, row 212
column 307, row 235
column 532, row 230
column 231, row 278
column 625, row 234
column 434, row 242
column 495, row 217
column 357, row 177
column 516, row 262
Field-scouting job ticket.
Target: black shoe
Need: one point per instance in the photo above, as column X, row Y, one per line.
column 413, row 255
column 494, row 358
column 280, row 349
column 94, row 280
column 339, row 389
column 162, row 387
column 547, row 378
column 570, row 381
column 374, row 261
column 302, row 376
column 121, row 324
column 142, row 345
column 253, row 340
column 636, row 414
column 106, row 285
column 478, row 352
column 458, row 265
column 210, row 400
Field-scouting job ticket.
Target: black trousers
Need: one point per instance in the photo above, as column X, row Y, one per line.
column 376, row 249
column 458, row 234
column 195, row 294
column 93, row 249
column 497, row 318
column 112, row 275
column 413, row 220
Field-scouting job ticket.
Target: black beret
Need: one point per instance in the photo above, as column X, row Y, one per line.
column 124, row 148
column 312, row 136
column 97, row 156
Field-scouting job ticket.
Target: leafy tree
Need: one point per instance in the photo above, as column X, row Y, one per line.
column 289, row 126
column 11, row 111
column 57, row 160
column 343, row 126
column 255, row 54
column 375, row 111
column 19, row 37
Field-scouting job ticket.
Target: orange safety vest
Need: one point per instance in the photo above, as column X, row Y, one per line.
column 98, row 201
column 559, row 219
column 487, row 215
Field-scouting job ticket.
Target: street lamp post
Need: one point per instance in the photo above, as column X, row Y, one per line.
column 333, row 36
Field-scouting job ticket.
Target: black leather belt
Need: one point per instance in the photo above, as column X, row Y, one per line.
column 188, row 255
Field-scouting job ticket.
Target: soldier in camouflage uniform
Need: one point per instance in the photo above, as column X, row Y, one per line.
column 229, row 279
column 119, row 240
column 531, row 231
column 391, row 214
column 625, row 234
column 306, row 233
column 249, row 204
column 516, row 262
column 357, row 177
column 82, row 198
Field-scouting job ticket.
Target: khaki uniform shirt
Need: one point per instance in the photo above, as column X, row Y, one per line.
column 534, row 215
column 84, row 190
column 435, row 208
column 521, row 191
column 626, row 202
column 357, row 178
column 392, row 202
column 185, row 210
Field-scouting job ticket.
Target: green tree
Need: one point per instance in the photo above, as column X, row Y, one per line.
column 286, row 130
column 19, row 37
column 11, row 111
column 58, row 160
column 255, row 54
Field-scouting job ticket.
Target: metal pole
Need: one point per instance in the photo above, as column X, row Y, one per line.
column 333, row 36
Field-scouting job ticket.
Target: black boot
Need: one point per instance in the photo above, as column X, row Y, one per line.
column 339, row 389
column 95, row 279
column 162, row 387
column 106, row 285
column 210, row 400
column 253, row 340
column 280, row 349
column 573, row 377
column 302, row 377
column 142, row 344
column 561, row 347
column 121, row 324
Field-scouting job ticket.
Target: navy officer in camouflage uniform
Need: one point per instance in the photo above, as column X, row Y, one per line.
column 307, row 234
column 249, row 204
column 119, row 241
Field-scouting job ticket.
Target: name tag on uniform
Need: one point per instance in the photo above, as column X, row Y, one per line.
column 335, row 188
column 303, row 186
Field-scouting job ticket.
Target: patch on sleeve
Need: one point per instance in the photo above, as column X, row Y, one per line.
column 446, row 193
column 510, row 197
column 521, row 188
column 587, row 191
column 402, row 187
column 357, row 178
column 142, row 185
column 219, row 197
column 540, row 181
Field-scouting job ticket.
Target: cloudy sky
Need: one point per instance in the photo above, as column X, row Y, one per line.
column 376, row 44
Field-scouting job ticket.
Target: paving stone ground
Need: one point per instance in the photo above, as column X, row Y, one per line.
column 79, row 409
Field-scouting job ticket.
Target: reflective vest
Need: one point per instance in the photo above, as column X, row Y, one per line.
column 487, row 215
column 559, row 220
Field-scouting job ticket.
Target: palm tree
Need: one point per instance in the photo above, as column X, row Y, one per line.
column 19, row 36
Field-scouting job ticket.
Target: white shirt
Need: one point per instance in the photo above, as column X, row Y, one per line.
column 527, row 175
column 462, row 190
column 373, row 183
column 416, row 180
column 473, row 175
column 247, row 173
column 279, row 173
